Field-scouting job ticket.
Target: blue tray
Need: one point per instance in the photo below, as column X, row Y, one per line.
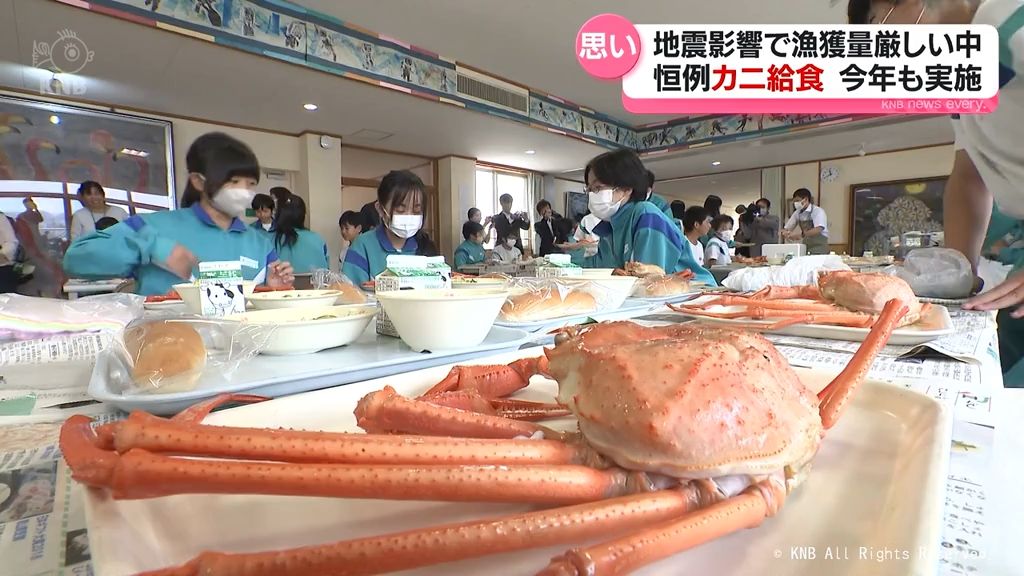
column 371, row 356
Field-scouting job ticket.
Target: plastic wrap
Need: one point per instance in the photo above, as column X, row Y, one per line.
column 797, row 272
column 329, row 280
column 664, row 285
column 27, row 317
column 166, row 355
column 936, row 273
column 535, row 299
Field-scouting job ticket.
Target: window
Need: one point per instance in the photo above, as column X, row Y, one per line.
column 491, row 184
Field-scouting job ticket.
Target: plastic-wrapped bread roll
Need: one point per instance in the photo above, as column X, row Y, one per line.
column 166, row 356
column 547, row 304
column 662, row 286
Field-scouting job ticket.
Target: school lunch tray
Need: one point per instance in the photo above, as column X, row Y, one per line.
column 370, row 356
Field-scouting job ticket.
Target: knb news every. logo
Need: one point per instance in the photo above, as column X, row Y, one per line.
column 65, row 56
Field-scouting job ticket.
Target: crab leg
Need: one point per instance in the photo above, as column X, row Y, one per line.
column 834, row 396
column 834, row 317
column 806, row 292
column 141, row 474
column 157, row 435
column 491, row 381
column 385, row 411
column 447, row 543
column 801, row 305
column 504, row 407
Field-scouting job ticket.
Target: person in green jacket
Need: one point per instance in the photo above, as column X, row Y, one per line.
column 305, row 249
column 653, row 198
column 263, row 208
column 471, row 251
column 161, row 249
column 632, row 229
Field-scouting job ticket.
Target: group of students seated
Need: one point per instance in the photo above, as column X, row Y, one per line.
column 626, row 223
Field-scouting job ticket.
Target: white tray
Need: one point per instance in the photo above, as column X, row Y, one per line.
column 629, row 309
column 935, row 324
column 371, row 356
column 674, row 299
column 877, row 482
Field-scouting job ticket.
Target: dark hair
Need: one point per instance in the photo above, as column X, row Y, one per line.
column 721, row 220
column 90, row 185
column 291, row 217
column 765, row 200
column 713, row 204
column 542, row 205
column 514, row 233
column 858, row 11
column 262, row 202
column 369, row 215
column 470, row 229
column 280, row 193
column 105, row 222
column 803, row 193
column 748, row 216
column 219, row 158
column 620, row 169
column 678, row 209
column 693, row 216
column 469, row 214
column 395, row 188
column 650, row 179
column 350, row 218
column 504, row 198
column 563, row 228
column 740, row 208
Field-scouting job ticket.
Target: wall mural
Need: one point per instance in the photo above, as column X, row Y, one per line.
column 83, row 145
column 278, row 29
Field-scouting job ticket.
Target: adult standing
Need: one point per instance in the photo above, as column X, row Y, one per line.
column 94, row 206
column 505, row 222
column 985, row 190
column 546, row 228
column 811, row 220
column 763, row 229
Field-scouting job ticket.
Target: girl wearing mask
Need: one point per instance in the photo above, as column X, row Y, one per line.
column 304, row 249
column 161, row 249
column 632, row 229
column 717, row 252
column 402, row 207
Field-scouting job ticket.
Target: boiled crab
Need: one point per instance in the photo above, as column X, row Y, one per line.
column 685, row 434
column 654, row 282
column 841, row 298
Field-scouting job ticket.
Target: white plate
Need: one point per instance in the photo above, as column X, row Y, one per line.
column 294, row 299
column 298, row 331
column 674, row 299
column 877, row 482
column 935, row 324
column 371, row 356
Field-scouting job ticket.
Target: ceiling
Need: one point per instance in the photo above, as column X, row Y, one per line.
column 152, row 70
column 532, row 41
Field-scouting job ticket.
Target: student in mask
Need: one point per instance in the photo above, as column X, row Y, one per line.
column 632, row 229
column 402, row 208
column 350, row 225
column 164, row 248
column 506, row 252
column 304, row 249
column 717, row 251
column 653, row 198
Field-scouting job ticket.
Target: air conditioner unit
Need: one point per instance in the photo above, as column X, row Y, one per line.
column 488, row 90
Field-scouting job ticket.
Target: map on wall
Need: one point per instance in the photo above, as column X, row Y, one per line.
column 882, row 210
column 51, row 143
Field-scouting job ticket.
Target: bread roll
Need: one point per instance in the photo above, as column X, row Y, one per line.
column 166, row 356
column 545, row 305
column 350, row 293
column 661, row 286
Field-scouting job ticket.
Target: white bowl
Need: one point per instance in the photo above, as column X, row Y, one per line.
column 442, row 319
column 611, row 291
column 189, row 293
column 479, row 283
column 306, row 330
column 598, row 272
column 294, row 299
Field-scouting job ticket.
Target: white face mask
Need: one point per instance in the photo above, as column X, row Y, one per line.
column 798, row 206
column 601, row 204
column 406, row 225
column 233, row 201
column 726, row 235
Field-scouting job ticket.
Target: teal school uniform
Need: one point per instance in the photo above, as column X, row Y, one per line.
column 468, row 253
column 368, row 255
column 139, row 246
column 309, row 252
column 662, row 205
column 642, row 233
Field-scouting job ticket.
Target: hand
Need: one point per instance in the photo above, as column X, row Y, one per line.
column 1009, row 294
column 181, row 262
column 487, row 221
column 280, row 274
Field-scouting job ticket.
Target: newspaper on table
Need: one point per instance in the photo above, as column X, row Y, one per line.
column 965, row 541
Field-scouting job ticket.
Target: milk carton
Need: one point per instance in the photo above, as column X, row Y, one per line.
column 557, row 266
column 409, row 273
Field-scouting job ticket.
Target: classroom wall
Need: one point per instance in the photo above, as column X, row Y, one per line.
column 834, row 197
column 372, row 165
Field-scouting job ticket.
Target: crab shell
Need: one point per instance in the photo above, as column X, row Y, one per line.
column 702, row 402
column 868, row 292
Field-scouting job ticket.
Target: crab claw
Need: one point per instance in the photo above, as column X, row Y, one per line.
column 80, row 446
